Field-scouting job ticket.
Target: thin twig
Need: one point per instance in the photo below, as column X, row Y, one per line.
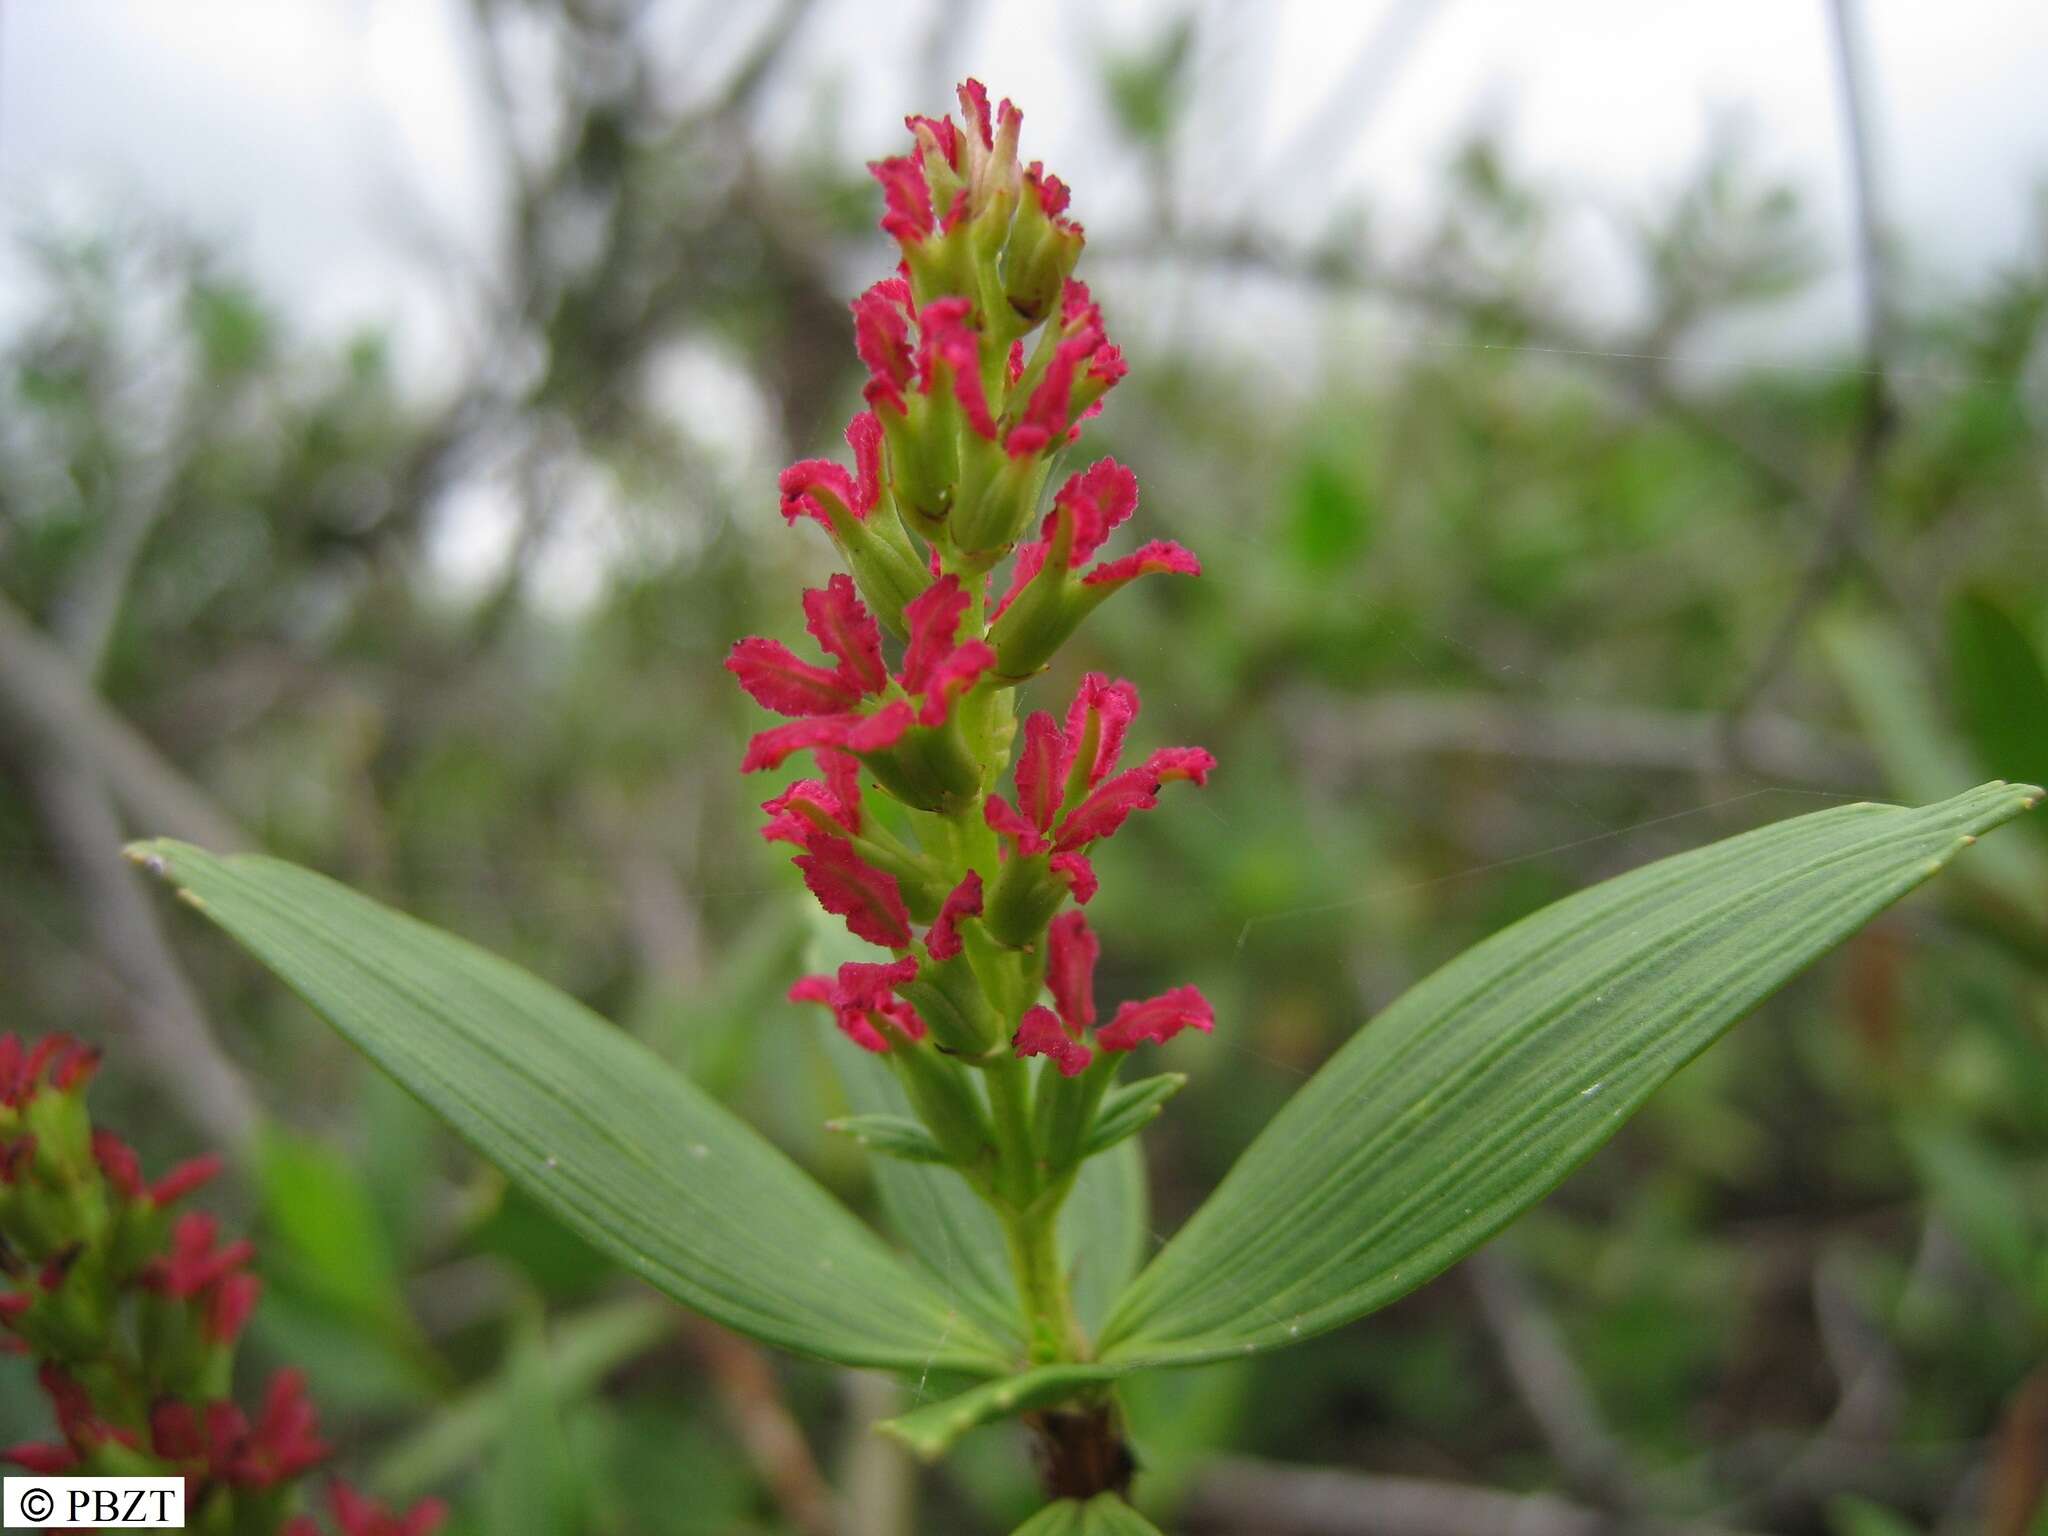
column 1615, row 737
column 767, row 1430
column 42, row 696
column 1842, row 530
column 164, row 1017
column 1549, row 1382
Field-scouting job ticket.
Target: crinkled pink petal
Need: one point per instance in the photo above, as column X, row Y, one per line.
column 1158, row 1019
column 811, row 989
column 942, row 941
column 881, row 730
column 1071, row 950
column 943, row 133
column 772, row 748
column 1107, row 708
column 804, row 481
column 1016, row 361
column 1137, row 789
column 1050, row 191
column 1038, row 765
column 1094, row 502
column 906, row 198
column 1079, row 875
column 844, row 629
column 1045, row 413
column 806, row 811
column 1039, row 1034
column 1006, row 821
column 776, row 678
column 864, row 437
column 881, row 335
column 932, row 620
column 974, row 111
column 1030, row 561
column 948, row 344
column 952, row 677
column 846, row 886
column 842, row 776
column 1161, row 557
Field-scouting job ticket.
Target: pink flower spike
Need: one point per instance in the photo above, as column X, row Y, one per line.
column 777, row 679
column 869, row 899
column 932, row 619
column 1158, row 1019
column 1007, row 822
column 952, row 677
column 1039, row 1033
column 1079, row 874
column 1161, row 557
column 186, row 1178
column 844, row 629
column 1038, row 770
column 1071, row 952
column 942, row 941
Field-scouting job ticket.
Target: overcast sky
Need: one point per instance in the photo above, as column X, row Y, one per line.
column 297, row 130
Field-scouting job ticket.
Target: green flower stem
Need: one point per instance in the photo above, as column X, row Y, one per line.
column 1030, row 1223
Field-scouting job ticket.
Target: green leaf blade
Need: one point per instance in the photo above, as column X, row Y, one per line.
column 1481, row 1088
column 591, row 1124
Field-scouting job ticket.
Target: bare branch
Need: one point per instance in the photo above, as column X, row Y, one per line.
column 1549, row 1383
column 43, row 697
column 167, row 1026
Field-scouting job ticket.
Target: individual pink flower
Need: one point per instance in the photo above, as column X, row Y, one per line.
column 1081, row 368
column 942, row 941
column 1068, row 793
column 1085, row 511
column 852, row 706
column 356, row 1515
column 863, row 1000
column 1057, row 1032
column 823, row 489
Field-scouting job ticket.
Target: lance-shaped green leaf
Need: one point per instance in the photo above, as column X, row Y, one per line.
column 597, row 1129
column 1481, row 1088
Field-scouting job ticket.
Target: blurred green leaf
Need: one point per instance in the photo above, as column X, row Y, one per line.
column 1902, row 721
column 1480, row 1089
column 1860, row 1517
column 581, row 1350
column 600, row 1132
column 890, row 1136
column 2001, row 688
column 535, row 1487
column 1977, row 1193
column 1129, row 1108
column 1103, row 1515
column 317, row 1204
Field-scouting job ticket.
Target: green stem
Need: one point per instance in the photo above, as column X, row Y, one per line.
column 1030, row 1223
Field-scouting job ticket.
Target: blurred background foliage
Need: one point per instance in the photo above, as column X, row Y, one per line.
column 1499, row 602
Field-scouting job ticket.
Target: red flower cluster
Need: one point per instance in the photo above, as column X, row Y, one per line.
column 966, row 411
column 134, row 1315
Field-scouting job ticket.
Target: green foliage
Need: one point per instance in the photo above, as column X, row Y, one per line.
column 598, row 1131
column 1478, row 1091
